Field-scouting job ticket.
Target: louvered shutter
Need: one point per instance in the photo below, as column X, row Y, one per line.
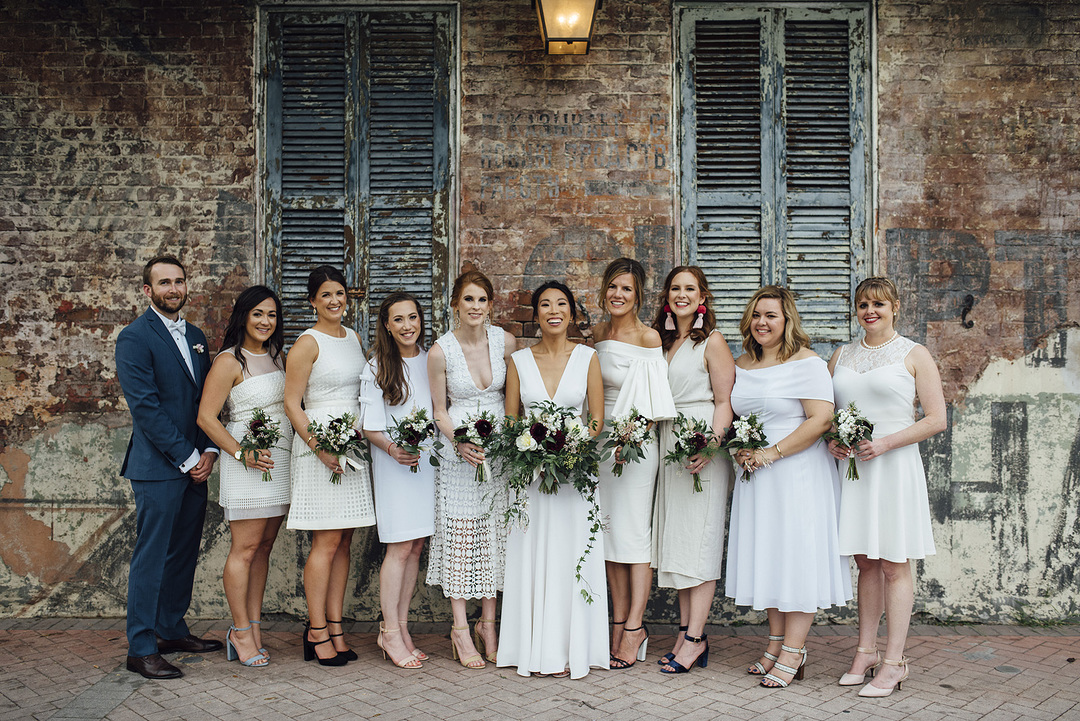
column 774, row 156
column 357, row 144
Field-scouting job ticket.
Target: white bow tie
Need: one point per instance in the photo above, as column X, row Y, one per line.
column 176, row 326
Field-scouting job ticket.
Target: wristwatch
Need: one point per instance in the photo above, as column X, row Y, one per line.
column 239, row 455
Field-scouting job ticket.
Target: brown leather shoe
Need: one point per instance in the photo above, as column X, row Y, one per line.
column 153, row 666
column 189, row 643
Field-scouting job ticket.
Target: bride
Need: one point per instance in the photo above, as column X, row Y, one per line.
column 548, row 628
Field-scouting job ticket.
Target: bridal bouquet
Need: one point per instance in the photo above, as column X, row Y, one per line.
column 692, row 436
column 851, row 427
column 478, row 429
column 628, row 436
column 552, row 445
column 262, row 434
column 411, row 432
column 748, row 433
column 338, row 437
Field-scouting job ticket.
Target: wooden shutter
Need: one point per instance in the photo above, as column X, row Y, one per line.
column 357, row 145
column 774, row 157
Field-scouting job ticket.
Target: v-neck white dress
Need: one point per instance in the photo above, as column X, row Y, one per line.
column 547, row 625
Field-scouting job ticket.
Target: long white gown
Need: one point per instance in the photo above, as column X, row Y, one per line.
column 244, row 494
column 547, row 625
column 333, row 389
column 468, row 550
column 404, row 501
column 634, row 377
column 782, row 550
column 886, row 513
column 688, row 530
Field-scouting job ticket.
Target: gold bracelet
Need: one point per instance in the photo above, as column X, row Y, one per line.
column 778, row 451
column 309, row 440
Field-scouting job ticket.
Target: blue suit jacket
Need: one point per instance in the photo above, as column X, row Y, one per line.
column 163, row 398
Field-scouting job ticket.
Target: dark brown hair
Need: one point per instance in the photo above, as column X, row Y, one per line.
column 160, row 260
column 236, row 330
column 697, row 335
column 390, row 367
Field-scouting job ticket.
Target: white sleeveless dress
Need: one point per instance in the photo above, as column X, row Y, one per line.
column 782, row 549
column 468, row 550
column 688, row 530
column 404, row 501
column 886, row 513
column 547, row 626
column 243, row 493
column 634, row 377
column 333, row 389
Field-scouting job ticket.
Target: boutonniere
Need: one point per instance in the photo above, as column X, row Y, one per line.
column 199, row 348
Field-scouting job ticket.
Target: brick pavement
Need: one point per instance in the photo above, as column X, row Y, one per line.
column 73, row 669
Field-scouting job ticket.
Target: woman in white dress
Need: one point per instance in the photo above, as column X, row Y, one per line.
column 322, row 381
column 547, row 625
column 249, row 374
column 395, row 383
column 467, row 374
column 634, row 373
column 689, row 526
column 783, row 555
column 885, row 515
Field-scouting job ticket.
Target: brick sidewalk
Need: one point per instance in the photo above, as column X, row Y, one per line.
column 73, row 669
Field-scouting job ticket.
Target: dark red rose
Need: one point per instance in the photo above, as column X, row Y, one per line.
column 484, row 427
column 538, row 431
column 556, row 442
column 699, row 441
column 461, row 435
column 413, row 438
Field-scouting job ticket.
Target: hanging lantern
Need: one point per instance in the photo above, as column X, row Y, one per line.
column 566, row 25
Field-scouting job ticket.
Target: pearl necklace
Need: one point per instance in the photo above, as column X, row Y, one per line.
column 895, row 335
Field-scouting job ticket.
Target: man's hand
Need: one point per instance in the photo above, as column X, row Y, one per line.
column 202, row 469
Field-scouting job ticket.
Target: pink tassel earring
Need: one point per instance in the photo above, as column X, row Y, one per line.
column 669, row 324
column 700, row 320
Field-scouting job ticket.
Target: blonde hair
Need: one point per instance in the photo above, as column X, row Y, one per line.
column 879, row 288
column 795, row 338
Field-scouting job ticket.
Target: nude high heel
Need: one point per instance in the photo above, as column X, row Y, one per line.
column 410, row 662
column 872, row 691
column 479, row 642
column 854, row 679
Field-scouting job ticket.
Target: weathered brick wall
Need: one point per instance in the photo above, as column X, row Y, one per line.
column 125, row 131
column 979, row 219
column 565, row 161
column 128, row 129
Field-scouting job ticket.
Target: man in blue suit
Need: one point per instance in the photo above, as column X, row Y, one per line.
column 161, row 363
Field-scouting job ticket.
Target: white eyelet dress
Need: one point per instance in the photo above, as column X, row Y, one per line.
column 333, row 389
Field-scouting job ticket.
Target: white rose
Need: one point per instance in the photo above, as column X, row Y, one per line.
column 525, row 442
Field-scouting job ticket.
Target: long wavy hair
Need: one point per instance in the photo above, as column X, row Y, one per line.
column 390, row 367
column 795, row 338
column 708, row 325
column 236, row 330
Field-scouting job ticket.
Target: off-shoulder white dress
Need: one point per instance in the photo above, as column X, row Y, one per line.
column 634, row 377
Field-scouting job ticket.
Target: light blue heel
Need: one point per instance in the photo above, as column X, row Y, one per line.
column 262, row 650
column 256, row 661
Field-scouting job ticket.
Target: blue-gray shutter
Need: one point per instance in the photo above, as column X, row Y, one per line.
column 774, row 166
column 357, row 146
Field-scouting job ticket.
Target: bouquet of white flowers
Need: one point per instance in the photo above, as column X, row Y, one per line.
column 628, row 436
column 851, row 427
column 748, row 433
column 552, row 445
column 410, row 433
column 337, row 437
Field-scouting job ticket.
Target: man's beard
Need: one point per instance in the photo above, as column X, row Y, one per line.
column 165, row 306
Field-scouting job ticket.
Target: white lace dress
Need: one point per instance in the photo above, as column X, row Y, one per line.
column 243, row 492
column 333, row 389
column 886, row 513
column 468, row 550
